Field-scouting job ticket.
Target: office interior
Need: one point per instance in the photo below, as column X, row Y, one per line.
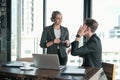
column 22, row 23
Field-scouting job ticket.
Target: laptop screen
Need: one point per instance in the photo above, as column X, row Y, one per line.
column 46, row 61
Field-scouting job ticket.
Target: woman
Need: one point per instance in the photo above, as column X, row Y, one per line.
column 56, row 38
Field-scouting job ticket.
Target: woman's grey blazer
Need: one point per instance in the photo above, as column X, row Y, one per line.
column 48, row 35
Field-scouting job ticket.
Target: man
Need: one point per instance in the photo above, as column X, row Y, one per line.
column 91, row 51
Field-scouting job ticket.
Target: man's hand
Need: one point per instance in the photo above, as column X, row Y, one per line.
column 69, row 50
column 82, row 30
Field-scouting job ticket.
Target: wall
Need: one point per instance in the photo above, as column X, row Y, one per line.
column 5, row 30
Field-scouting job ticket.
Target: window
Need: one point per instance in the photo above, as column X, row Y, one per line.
column 108, row 16
column 26, row 27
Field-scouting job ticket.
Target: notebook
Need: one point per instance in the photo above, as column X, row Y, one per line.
column 74, row 70
column 47, row 61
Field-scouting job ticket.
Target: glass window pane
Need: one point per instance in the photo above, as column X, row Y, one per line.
column 72, row 12
column 27, row 26
column 108, row 16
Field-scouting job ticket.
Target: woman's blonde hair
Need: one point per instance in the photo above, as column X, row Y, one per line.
column 54, row 14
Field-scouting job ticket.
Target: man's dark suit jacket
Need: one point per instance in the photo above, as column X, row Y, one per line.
column 48, row 35
column 91, row 52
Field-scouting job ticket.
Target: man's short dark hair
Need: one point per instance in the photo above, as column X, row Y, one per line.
column 93, row 24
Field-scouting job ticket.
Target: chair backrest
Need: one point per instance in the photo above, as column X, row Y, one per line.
column 26, row 59
column 109, row 70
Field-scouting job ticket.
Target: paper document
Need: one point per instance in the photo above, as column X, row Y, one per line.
column 74, row 71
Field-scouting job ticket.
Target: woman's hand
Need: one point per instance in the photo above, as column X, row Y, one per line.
column 57, row 41
column 50, row 43
column 67, row 42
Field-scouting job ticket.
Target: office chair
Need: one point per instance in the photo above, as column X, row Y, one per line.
column 26, row 59
column 109, row 70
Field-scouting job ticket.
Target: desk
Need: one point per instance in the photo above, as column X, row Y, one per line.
column 42, row 74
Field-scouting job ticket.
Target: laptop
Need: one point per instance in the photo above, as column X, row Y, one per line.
column 13, row 64
column 47, row 61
